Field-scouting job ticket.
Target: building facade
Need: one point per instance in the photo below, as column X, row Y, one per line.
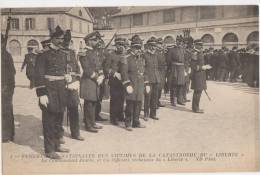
column 217, row 26
column 30, row 26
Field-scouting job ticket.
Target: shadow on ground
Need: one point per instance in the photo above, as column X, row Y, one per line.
column 29, row 132
column 243, row 87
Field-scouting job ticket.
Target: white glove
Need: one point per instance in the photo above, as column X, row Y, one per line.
column 100, row 79
column 185, row 73
column 117, row 75
column 44, row 100
column 189, row 71
column 147, row 89
column 81, row 101
column 129, row 89
column 205, row 67
column 68, row 78
column 73, row 86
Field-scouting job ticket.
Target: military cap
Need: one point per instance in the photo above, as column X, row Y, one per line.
column 169, row 40
column 136, row 41
column 198, row 42
column 58, row 32
column 151, row 41
column 46, row 42
column 120, row 40
column 159, row 41
column 93, row 36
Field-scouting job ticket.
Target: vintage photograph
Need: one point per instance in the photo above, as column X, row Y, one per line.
column 130, row 89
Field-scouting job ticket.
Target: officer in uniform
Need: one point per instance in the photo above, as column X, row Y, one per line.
column 117, row 90
column 92, row 78
column 187, row 60
column 29, row 62
column 234, row 62
column 8, row 85
column 135, row 81
column 222, row 66
column 198, row 78
column 162, row 66
column 103, row 55
column 175, row 59
column 72, row 88
column 153, row 75
column 50, row 81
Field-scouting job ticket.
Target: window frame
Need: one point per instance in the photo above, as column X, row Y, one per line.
column 212, row 12
column 31, row 23
column 171, row 13
column 138, row 16
column 15, row 24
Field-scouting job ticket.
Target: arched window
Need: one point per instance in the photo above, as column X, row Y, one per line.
column 15, row 48
column 208, row 39
column 230, row 40
column 33, row 43
column 253, row 39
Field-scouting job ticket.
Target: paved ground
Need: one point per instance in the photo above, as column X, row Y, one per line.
column 228, row 126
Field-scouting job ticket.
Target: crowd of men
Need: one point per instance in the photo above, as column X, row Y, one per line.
column 137, row 74
column 233, row 65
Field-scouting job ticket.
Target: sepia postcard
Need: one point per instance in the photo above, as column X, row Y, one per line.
column 130, row 89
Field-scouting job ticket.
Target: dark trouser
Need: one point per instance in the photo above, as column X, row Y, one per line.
column 116, row 101
column 196, row 100
column 90, row 113
column 150, row 101
column 221, row 74
column 60, row 126
column 51, row 124
column 7, row 115
column 159, row 94
column 98, row 104
column 233, row 74
column 74, row 120
column 176, row 93
column 132, row 113
column 186, row 89
column 213, row 73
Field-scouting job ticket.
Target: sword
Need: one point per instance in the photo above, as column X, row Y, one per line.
column 207, row 95
column 111, row 40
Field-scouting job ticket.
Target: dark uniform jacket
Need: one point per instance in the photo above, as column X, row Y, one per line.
column 92, row 65
column 162, row 67
column 151, row 67
column 234, row 59
column 7, row 72
column 198, row 77
column 7, row 90
column 115, row 61
column 175, row 59
column 187, row 60
column 29, row 62
column 74, row 70
column 133, row 73
column 223, row 60
column 50, row 65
